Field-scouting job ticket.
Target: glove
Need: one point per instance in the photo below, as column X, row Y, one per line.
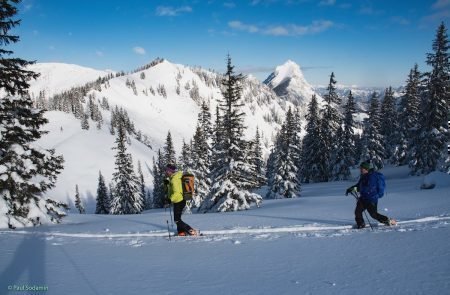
column 167, row 202
column 350, row 189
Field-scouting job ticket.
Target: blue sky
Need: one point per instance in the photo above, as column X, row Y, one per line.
column 365, row 42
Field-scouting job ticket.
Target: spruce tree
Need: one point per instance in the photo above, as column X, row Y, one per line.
column 14, row 77
column 344, row 152
column 389, row 124
column 26, row 170
column 185, row 162
column 311, row 141
column 285, row 182
column 78, row 203
column 409, row 112
column 159, row 190
column 374, row 151
column 228, row 192
column 348, row 138
column 102, row 206
column 142, row 185
column 257, row 161
column 431, row 151
column 127, row 194
column 330, row 123
column 169, row 151
column 201, row 166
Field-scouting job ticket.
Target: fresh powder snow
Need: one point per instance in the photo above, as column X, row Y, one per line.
column 304, row 245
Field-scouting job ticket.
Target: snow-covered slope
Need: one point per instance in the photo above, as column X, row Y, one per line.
column 290, row 246
column 289, row 82
column 174, row 107
column 57, row 77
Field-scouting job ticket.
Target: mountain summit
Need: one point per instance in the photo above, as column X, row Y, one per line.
column 288, row 82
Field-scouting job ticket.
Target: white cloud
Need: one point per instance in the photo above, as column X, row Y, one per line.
column 400, row 20
column 229, row 4
column 172, row 11
column 139, row 50
column 327, row 2
column 277, row 31
column 237, row 25
column 441, row 4
column 283, row 30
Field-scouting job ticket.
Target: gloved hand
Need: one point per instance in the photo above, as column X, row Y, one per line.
column 350, row 189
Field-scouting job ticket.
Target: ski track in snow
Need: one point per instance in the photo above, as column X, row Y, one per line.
column 265, row 233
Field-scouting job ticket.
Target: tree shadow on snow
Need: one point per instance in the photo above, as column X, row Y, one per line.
column 28, row 265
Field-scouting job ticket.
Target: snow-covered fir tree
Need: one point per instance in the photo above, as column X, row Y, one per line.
column 346, row 147
column 102, row 199
column 257, row 161
column 409, row 112
column 27, row 171
column 373, row 150
column 330, row 123
column 159, row 190
column 128, row 198
column 311, row 142
column 201, row 165
column 140, row 176
column 285, row 182
column 185, row 161
column 169, row 151
column 228, row 192
column 389, row 124
column 78, row 203
column 431, row 151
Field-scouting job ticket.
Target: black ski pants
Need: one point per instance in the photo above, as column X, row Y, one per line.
column 177, row 211
column 372, row 208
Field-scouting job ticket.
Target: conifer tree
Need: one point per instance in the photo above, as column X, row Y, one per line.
column 201, row 165
column 159, row 191
column 257, row 162
column 409, row 112
column 311, row 141
column 102, row 206
column 142, row 185
column 431, row 150
column 348, row 144
column 78, row 203
column 285, row 182
column 344, row 152
column 185, row 162
column 389, row 124
column 26, row 170
column 127, row 194
column 330, row 123
column 169, row 151
column 374, row 151
column 228, row 193
column 14, row 77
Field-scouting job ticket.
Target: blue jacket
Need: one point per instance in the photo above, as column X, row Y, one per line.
column 367, row 187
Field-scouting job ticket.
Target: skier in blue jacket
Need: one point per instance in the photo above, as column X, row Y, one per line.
column 368, row 200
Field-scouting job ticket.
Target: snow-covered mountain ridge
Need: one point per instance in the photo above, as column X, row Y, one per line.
column 160, row 98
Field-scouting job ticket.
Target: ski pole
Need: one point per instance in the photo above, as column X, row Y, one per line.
column 354, row 194
column 168, row 230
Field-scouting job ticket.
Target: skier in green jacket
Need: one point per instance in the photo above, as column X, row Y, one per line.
column 175, row 195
